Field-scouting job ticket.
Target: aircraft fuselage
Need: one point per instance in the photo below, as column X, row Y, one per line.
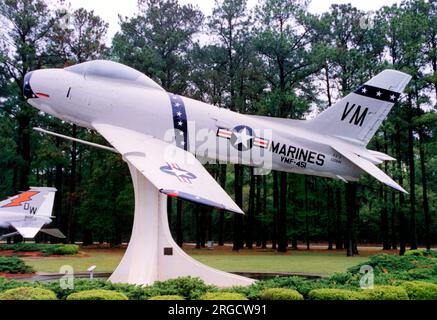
column 214, row 134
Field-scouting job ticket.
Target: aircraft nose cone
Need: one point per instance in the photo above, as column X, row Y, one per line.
column 27, row 89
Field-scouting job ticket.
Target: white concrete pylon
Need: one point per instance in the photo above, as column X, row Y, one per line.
column 152, row 255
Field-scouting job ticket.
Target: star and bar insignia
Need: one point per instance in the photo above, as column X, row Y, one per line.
column 242, row 138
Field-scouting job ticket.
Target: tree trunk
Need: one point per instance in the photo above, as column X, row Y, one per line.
column 394, row 244
column 72, row 188
column 259, row 212
column 208, row 220
column 264, row 211
column 426, row 213
column 60, row 221
column 351, row 195
column 413, row 231
column 275, row 210
column 282, row 214
column 238, row 218
column 402, row 222
column 221, row 222
column 198, row 226
column 338, row 225
column 307, row 226
column 328, row 85
column 203, row 228
column 24, row 149
column 384, row 220
column 251, row 212
column 329, row 211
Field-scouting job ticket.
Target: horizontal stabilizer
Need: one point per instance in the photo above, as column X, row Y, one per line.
column 381, row 156
column 367, row 166
column 8, row 235
column 54, row 233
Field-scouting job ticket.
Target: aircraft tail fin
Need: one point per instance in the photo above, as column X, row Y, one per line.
column 358, row 116
column 36, row 201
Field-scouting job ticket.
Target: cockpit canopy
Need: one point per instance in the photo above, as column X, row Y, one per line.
column 113, row 70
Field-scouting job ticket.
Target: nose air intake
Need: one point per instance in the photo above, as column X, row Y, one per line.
column 27, row 90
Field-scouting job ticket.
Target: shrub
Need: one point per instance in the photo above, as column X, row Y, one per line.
column 6, row 284
column 416, row 252
column 46, row 249
column 385, row 293
column 97, row 295
column 389, row 269
column 27, row 293
column 187, row 287
column 431, row 253
column 133, row 292
column 223, row 296
column 334, row 294
column 421, row 253
column 167, row 297
column 343, row 278
column 60, row 249
column 14, row 265
column 280, row 294
column 383, row 263
column 418, row 290
column 21, row 247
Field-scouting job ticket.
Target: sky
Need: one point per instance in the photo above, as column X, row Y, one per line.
column 110, row 9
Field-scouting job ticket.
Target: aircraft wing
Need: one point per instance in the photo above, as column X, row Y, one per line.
column 175, row 172
column 367, row 166
column 28, row 229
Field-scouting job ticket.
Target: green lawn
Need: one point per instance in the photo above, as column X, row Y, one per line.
column 297, row 262
column 309, row 262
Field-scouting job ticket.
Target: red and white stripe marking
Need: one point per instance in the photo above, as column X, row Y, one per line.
column 260, row 142
column 224, row 133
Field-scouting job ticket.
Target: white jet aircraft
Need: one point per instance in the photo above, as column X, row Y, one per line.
column 28, row 212
column 143, row 121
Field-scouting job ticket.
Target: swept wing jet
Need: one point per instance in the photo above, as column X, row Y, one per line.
column 161, row 133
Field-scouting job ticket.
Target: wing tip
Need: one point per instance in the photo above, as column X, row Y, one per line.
column 197, row 199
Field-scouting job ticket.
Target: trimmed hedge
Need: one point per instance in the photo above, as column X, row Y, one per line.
column 334, row 294
column 280, row 294
column 22, row 247
column 46, row 249
column 167, row 297
column 14, row 265
column 28, row 293
column 187, row 287
column 418, row 290
column 61, row 249
column 223, row 296
column 385, row 293
column 97, row 295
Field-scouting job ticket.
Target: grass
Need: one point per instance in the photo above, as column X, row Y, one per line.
column 300, row 261
column 307, row 262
